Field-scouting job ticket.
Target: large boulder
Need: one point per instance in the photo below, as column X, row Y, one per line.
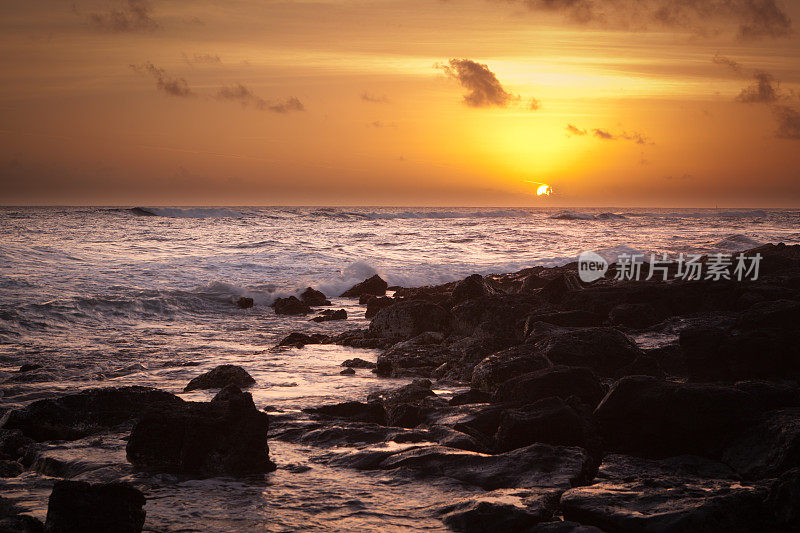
column 506, row 364
column 227, row 436
column 221, row 376
column 470, row 288
column 79, row 507
column 77, row 415
column 649, row 417
column 560, row 381
column 290, row 306
column 314, row 298
column 374, row 285
column 605, row 350
column 502, row 315
column 417, row 357
column 408, row 405
column 769, row 448
column 375, row 304
column 550, row 421
column 407, row 319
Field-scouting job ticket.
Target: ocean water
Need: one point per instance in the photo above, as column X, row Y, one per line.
column 120, row 296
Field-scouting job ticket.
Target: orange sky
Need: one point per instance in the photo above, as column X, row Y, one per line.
column 413, row 102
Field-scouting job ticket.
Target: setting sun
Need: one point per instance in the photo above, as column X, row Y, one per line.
column 544, row 190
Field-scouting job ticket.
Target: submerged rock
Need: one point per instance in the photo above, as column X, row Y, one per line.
column 358, row 363
column 298, row 340
column 328, row 315
column 244, row 303
column 314, row 298
column 77, row 415
column 221, row 376
column 79, row 507
column 290, row 306
column 375, row 286
column 227, row 436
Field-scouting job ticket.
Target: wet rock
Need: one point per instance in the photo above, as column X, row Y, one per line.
column 28, row 367
column 469, row 288
column 78, row 507
column 490, row 513
column 314, row 298
column 221, row 376
column 666, row 504
column 782, row 502
column 407, row 319
column 549, row 421
column 13, row 521
column 605, row 350
column 355, row 411
column 573, row 319
column 633, row 316
column 77, row 415
column 374, row 285
column 348, row 372
column 645, row 416
column 769, row 448
column 358, row 363
column 10, row 468
column 536, row 466
column 328, row 315
column 50, row 466
column 376, row 303
column 244, row 303
column 469, row 397
column 498, row 368
column 407, row 406
column 227, row 436
column 290, row 306
column 559, row 381
column 298, row 340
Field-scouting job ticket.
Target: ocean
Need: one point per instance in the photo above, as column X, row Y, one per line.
column 102, row 296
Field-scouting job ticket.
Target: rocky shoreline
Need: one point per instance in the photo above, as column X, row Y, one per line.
column 567, row 420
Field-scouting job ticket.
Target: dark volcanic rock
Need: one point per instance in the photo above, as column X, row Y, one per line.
column 374, row 285
column 769, row 448
column 328, row 315
column 290, row 306
column 502, row 314
column 782, row 502
column 299, row 340
column 550, row 421
column 564, row 526
column 348, row 372
column 376, row 303
column 470, row 396
column 314, row 298
column 560, row 381
column 506, row 364
column 416, row 357
column 15, row 446
column 10, row 468
column 536, row 466
column 604, row 350
column 488, row 514
column 645, row 416
column 355, row 411
column 244, row 303
column 572, row 319
column 407, row 319
column 78, row 507
column 220, row 377
column 227, row 436
column 634, row 316
column 358, row 363
column 469, row 288
column 13, row 521
column 28, row 367
column 408, row 405
column 77, row 415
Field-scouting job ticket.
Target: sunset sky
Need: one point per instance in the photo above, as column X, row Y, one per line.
column 413, row 102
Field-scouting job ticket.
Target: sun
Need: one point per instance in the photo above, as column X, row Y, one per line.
column 544, row 190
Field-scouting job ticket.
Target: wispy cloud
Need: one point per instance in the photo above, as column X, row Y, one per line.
column 727, row 62
column 635, row 137
column 171, row 86
column 374, row 98
column 134, row 16
column 788, row 122
column 202, row 59
column 574, row 130
column 242, row 94
column 485, row 90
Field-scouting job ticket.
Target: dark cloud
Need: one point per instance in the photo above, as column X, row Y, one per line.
column 764, row 90
column 574, row 130
column 374, row 98
column 171, row 86
column 788, row 122
column 246, row 97
column 636, row 137
column 132, row 17
column 535, row 104
column 751, row 19
column 727, row 62
column 484, row 88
